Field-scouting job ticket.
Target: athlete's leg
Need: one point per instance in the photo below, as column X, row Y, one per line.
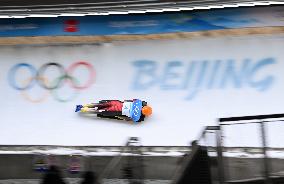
column 91, row 110
column 89, row 106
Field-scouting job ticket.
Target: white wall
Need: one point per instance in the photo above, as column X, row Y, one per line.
column 189, row 84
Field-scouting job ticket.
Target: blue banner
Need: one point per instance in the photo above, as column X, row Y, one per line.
column 189, row 21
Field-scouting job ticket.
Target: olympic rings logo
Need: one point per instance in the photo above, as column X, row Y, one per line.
column 38, row 77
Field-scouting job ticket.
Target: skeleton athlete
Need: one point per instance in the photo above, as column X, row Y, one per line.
column 135, row 110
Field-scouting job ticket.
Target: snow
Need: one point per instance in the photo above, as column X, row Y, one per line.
column 237, row 152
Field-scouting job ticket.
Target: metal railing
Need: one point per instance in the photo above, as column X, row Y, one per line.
column 210, row 137
column 249, row 133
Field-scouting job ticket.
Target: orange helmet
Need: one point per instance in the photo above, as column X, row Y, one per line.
column 147, row 110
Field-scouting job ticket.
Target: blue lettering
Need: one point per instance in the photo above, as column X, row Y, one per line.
column 201, row 75
column 145, row 75
column 199, row 80
column 266, row 82
column 212, row 76
column 189, row 75
column 170, row 75
column 230, row 74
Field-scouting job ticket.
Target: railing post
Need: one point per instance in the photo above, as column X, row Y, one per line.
column 265, row 158
column 221, row 173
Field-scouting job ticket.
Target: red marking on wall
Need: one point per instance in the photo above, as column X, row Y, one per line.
column 71, row 26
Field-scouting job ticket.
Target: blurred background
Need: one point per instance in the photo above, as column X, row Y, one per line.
column 212, row 72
